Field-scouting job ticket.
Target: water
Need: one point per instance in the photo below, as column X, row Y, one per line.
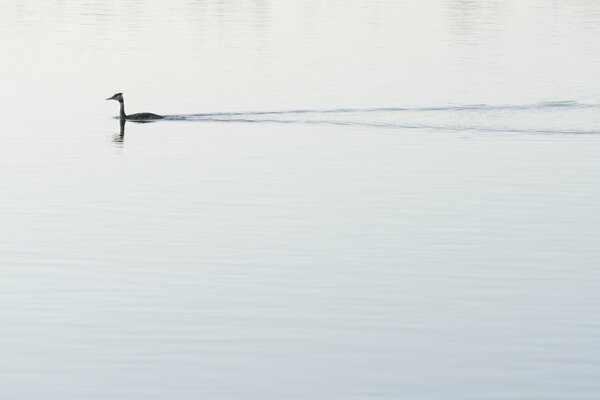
column 358, row 199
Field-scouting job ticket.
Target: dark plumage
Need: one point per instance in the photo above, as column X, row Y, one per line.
column 134, row 117
column 143, row 116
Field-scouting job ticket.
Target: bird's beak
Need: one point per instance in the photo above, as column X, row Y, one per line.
column 110, row 98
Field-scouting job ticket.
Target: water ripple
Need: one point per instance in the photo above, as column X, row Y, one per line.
column 557, row 117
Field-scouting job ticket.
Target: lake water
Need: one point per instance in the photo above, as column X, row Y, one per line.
column 347, row 200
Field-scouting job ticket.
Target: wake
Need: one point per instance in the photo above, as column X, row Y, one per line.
column 560, row 117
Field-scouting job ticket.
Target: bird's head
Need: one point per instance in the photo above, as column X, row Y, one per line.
column 118, row 97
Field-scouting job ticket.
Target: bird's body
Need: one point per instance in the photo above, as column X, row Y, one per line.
column 143, row 116
column 134, row 117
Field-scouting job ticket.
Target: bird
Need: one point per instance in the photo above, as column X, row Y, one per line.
column 135, row 117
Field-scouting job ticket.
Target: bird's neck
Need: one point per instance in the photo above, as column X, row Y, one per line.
column 122, row 112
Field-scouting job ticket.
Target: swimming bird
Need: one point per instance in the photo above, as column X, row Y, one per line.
column 136, row 117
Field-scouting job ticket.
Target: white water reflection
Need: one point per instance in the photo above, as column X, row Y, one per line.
column 349, row 199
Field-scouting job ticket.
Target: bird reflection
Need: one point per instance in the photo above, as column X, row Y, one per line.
column 120, row 138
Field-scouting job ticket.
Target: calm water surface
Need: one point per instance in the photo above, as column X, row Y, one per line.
column 348, row 200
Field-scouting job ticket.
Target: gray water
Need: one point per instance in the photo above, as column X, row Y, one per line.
column 347, row 200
